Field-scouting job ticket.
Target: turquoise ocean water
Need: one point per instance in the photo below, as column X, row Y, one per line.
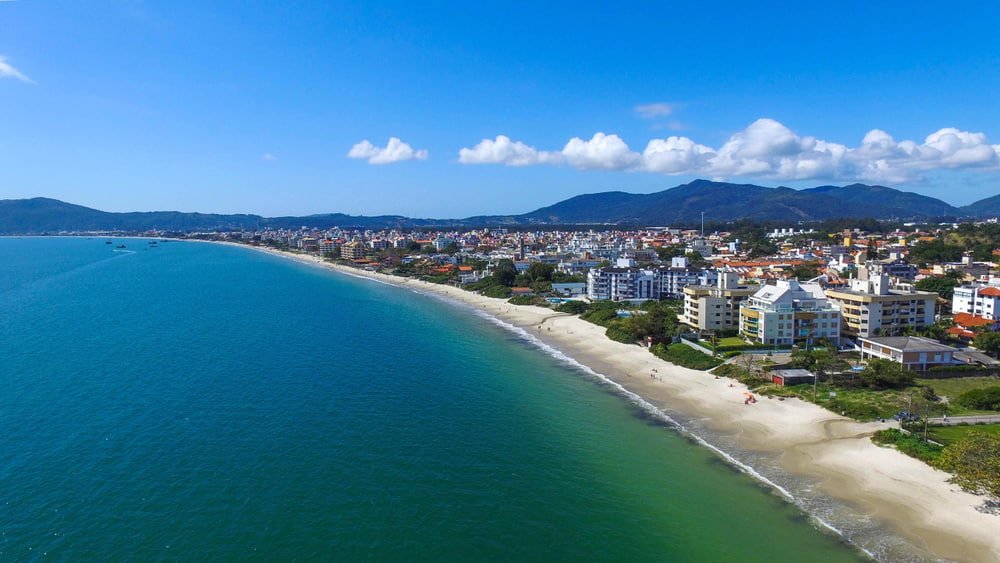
column 195, row 401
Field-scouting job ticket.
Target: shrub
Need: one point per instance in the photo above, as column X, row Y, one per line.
column 618, row 334
column 975, row 460
column 987, row 398
column 909, row 444
column 500, row 291
column 522, row 300
column 572, row 307
column 684, row 355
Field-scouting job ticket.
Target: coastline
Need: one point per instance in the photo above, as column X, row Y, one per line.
column 895, row 491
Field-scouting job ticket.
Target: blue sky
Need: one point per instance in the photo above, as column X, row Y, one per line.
column 220, row 106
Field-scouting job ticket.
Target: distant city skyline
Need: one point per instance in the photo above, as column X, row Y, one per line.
column 452, row 111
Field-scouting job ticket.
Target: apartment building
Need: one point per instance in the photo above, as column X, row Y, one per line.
column 979, row 300
column 679, row 275
column 354, row 250
column 871, row 306
column 625, row 281
column 789, row 312
column 717, row 307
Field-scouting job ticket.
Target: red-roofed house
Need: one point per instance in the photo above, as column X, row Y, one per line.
column 967, row 324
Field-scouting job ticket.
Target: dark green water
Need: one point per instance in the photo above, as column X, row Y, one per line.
column 195, row 401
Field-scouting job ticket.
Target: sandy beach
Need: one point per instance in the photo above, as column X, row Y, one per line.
column 895, row 491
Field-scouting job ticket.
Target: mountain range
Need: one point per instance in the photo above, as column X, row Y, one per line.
column 683, row 204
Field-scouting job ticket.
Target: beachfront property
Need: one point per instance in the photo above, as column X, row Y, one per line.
column 354, row 250
column 570, row 289
column 913, row 352
column 789, row 312
column 979, row 300
column 626, row 282
column 716, row 307
column 680, row 274
column 622, row 282
column 872, row 305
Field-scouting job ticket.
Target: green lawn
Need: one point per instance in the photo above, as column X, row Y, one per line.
column 952, row 388
column 948, row 434
column 731, row 341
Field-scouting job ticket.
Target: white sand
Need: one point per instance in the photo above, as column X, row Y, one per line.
column 903, row 494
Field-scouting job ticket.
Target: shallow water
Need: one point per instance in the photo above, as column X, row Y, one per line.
column 202, row 401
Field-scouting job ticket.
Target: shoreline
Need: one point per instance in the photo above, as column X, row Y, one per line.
column 896, row 492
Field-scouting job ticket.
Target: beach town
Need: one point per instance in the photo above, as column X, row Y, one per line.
column 865, row 360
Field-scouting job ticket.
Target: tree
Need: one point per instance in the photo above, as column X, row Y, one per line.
column 886, row 374
column 975, row 461
column 538, row 271
column 696, row 260
column 668, row 251
column 942, row 285
column 988, row 342
column 504, row 273
column 986, row 398
column 806, row 271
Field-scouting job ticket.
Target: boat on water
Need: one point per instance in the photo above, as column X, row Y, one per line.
column 120, row 246
column 107, row 242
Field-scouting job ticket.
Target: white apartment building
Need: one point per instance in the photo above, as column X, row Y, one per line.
column 789, row 312
column 979, row 300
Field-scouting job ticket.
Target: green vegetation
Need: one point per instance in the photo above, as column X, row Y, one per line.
column 953, row 389
column 948, row 434
column 522, row 300
column 988, row 342
column 807, row 270
column 935, row 251
column 910, row 444
column 500, row 291
column 684, row 355
column 975, row 462
column 886, row 374
column 573, row 307
column 986, row 398
column 656, row 319
column 942, row 285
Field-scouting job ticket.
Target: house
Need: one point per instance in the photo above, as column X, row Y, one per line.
column 913, row 352
column 967, row 324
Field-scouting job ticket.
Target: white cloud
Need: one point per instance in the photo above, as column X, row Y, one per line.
column 601, row 152
column 765, row 149
column 8, row 71
column 394, row 151
column 652, row 111
column 504, row 151
column 268, row 157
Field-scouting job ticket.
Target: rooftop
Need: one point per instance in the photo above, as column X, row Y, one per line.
column 909, row 343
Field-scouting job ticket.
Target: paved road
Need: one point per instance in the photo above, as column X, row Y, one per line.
column 977, row 419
